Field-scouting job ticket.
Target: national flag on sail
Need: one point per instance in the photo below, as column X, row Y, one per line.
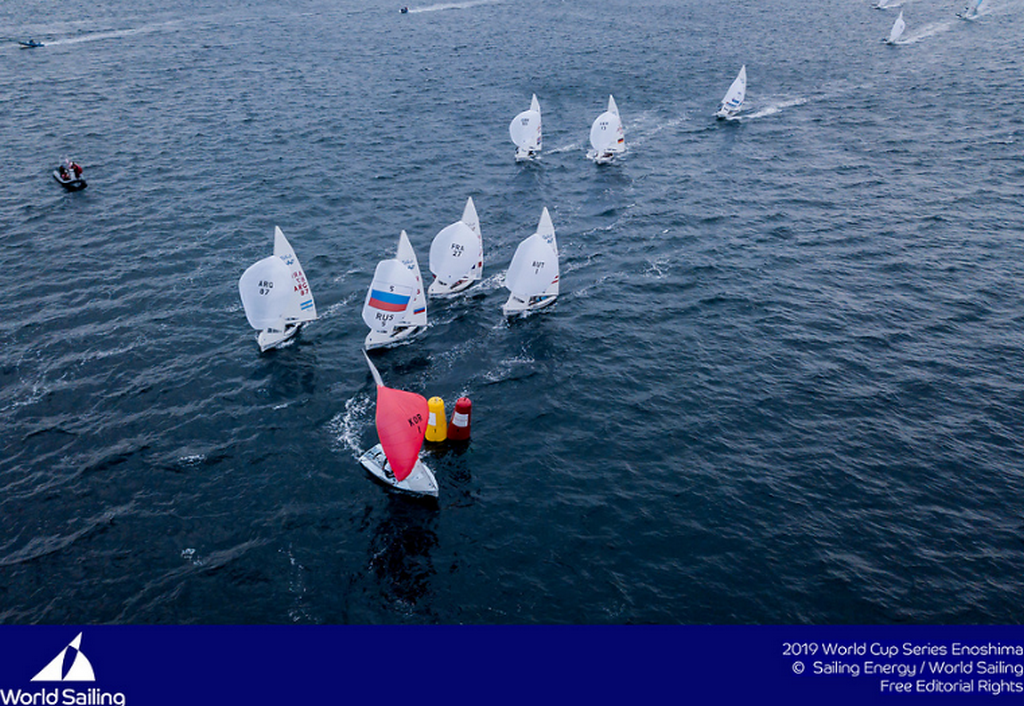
column 388, row 301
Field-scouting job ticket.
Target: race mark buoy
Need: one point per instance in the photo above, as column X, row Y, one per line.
column 460, row 420
column 437, row 426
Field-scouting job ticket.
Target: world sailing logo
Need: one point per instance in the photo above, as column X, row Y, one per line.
column 69, row 665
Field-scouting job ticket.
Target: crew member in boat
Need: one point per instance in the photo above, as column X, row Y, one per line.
column 63, row 172
column 77, row 169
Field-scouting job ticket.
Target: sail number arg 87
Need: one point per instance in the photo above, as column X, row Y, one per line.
column 265, row 286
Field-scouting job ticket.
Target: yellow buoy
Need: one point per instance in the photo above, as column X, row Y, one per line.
column 437, row 424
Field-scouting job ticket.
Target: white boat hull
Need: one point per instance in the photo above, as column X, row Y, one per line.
column 439, row 289
column 524, row 155
column 420, row 482
column 515, row 305
column 377, row 339
column 603, row 157
column 270, row 338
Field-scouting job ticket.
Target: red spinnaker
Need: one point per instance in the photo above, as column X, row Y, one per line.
column 401, row 424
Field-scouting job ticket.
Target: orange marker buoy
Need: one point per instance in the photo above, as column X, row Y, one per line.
column 458, row 430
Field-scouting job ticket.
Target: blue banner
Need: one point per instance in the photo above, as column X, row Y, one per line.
column 121, row 665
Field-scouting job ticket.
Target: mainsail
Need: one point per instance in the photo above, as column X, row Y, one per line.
column 416, row 312
column 897, row 28
column 301, row 307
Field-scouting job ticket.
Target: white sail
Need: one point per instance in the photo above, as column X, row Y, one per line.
column 302, row 307
column 416, row 312
column 532, row 277
column 735, row 95
column 266, row 291
column 457, row 254
column 534, row 268
column 525, row 130
column 606, row 134
column 452, row 254
column 389, row 295
column 546, row 229
column 897, row 28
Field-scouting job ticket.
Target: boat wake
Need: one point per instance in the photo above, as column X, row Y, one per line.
column 114, row 34
column 926, row 32
column 452, row 6
column 772, row 109
column 347, row 427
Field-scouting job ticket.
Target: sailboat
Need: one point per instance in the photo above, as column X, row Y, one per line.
column 734, row 96
column 532, row 278
column 607, row 137
column 396, row 305
column 969, row 12
column 457, row 254
column 276, row 295
column 401, row 420
column 897, row 29
column 525, row 130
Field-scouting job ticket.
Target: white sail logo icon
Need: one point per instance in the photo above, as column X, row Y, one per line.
column 69, row 665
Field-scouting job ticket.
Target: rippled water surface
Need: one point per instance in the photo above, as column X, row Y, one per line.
column 783, row 382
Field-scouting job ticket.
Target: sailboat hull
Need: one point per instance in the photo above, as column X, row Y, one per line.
column 376, row 339
column 420, row 481
column 439, row 289
column 268, row 338
column 515, row 306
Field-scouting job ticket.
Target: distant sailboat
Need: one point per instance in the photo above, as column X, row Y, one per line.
column 532, row 277
column 457, row 254
column 971, row 11
column 525, row 130
column 396, row 305
column 276, row 296
column 733, row 99
column 897, row 29
column 401, row 421
column 607, row 137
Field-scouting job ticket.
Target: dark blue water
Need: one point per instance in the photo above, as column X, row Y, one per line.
column 783, row 382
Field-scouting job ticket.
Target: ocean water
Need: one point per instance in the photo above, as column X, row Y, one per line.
column 783, row 382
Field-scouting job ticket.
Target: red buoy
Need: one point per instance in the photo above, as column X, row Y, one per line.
column 458, row 430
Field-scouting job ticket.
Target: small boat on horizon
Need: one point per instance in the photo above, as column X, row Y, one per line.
column 30, row 44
